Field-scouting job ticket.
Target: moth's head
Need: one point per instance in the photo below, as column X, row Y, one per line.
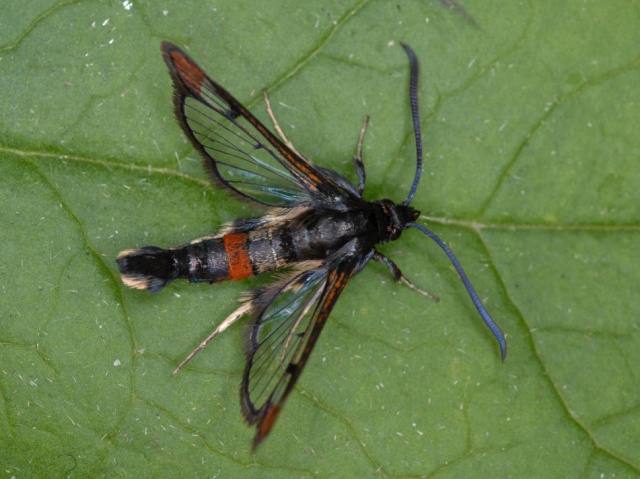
column 394, row 219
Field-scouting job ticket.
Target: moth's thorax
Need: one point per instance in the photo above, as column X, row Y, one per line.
column 318, row 233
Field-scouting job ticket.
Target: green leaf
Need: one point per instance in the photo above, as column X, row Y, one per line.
column 530, row 123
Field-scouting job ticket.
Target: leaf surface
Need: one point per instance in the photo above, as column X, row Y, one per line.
column 530, row 123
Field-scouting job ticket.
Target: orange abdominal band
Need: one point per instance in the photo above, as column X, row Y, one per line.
column 237, row 248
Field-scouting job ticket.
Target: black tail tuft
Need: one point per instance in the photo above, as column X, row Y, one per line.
column 149, row 268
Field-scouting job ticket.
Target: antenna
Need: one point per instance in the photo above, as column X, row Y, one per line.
column 497, row 332
column 413, row 99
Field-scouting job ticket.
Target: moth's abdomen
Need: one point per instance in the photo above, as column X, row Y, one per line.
column 149, row 268
column 231, row 256
column 152, row 268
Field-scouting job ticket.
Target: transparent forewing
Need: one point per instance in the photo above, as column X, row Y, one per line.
column 237, row 157
column 276, row 334
column 241, row 152
column 282, row 339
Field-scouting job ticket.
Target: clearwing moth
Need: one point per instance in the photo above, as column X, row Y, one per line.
column 317, row 228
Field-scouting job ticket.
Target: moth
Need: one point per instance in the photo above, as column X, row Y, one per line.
column 317, row 231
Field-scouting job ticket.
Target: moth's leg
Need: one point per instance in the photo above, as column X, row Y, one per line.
column 244, row 309
column 276, row 126
column 357, row 160
column 398, row 276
